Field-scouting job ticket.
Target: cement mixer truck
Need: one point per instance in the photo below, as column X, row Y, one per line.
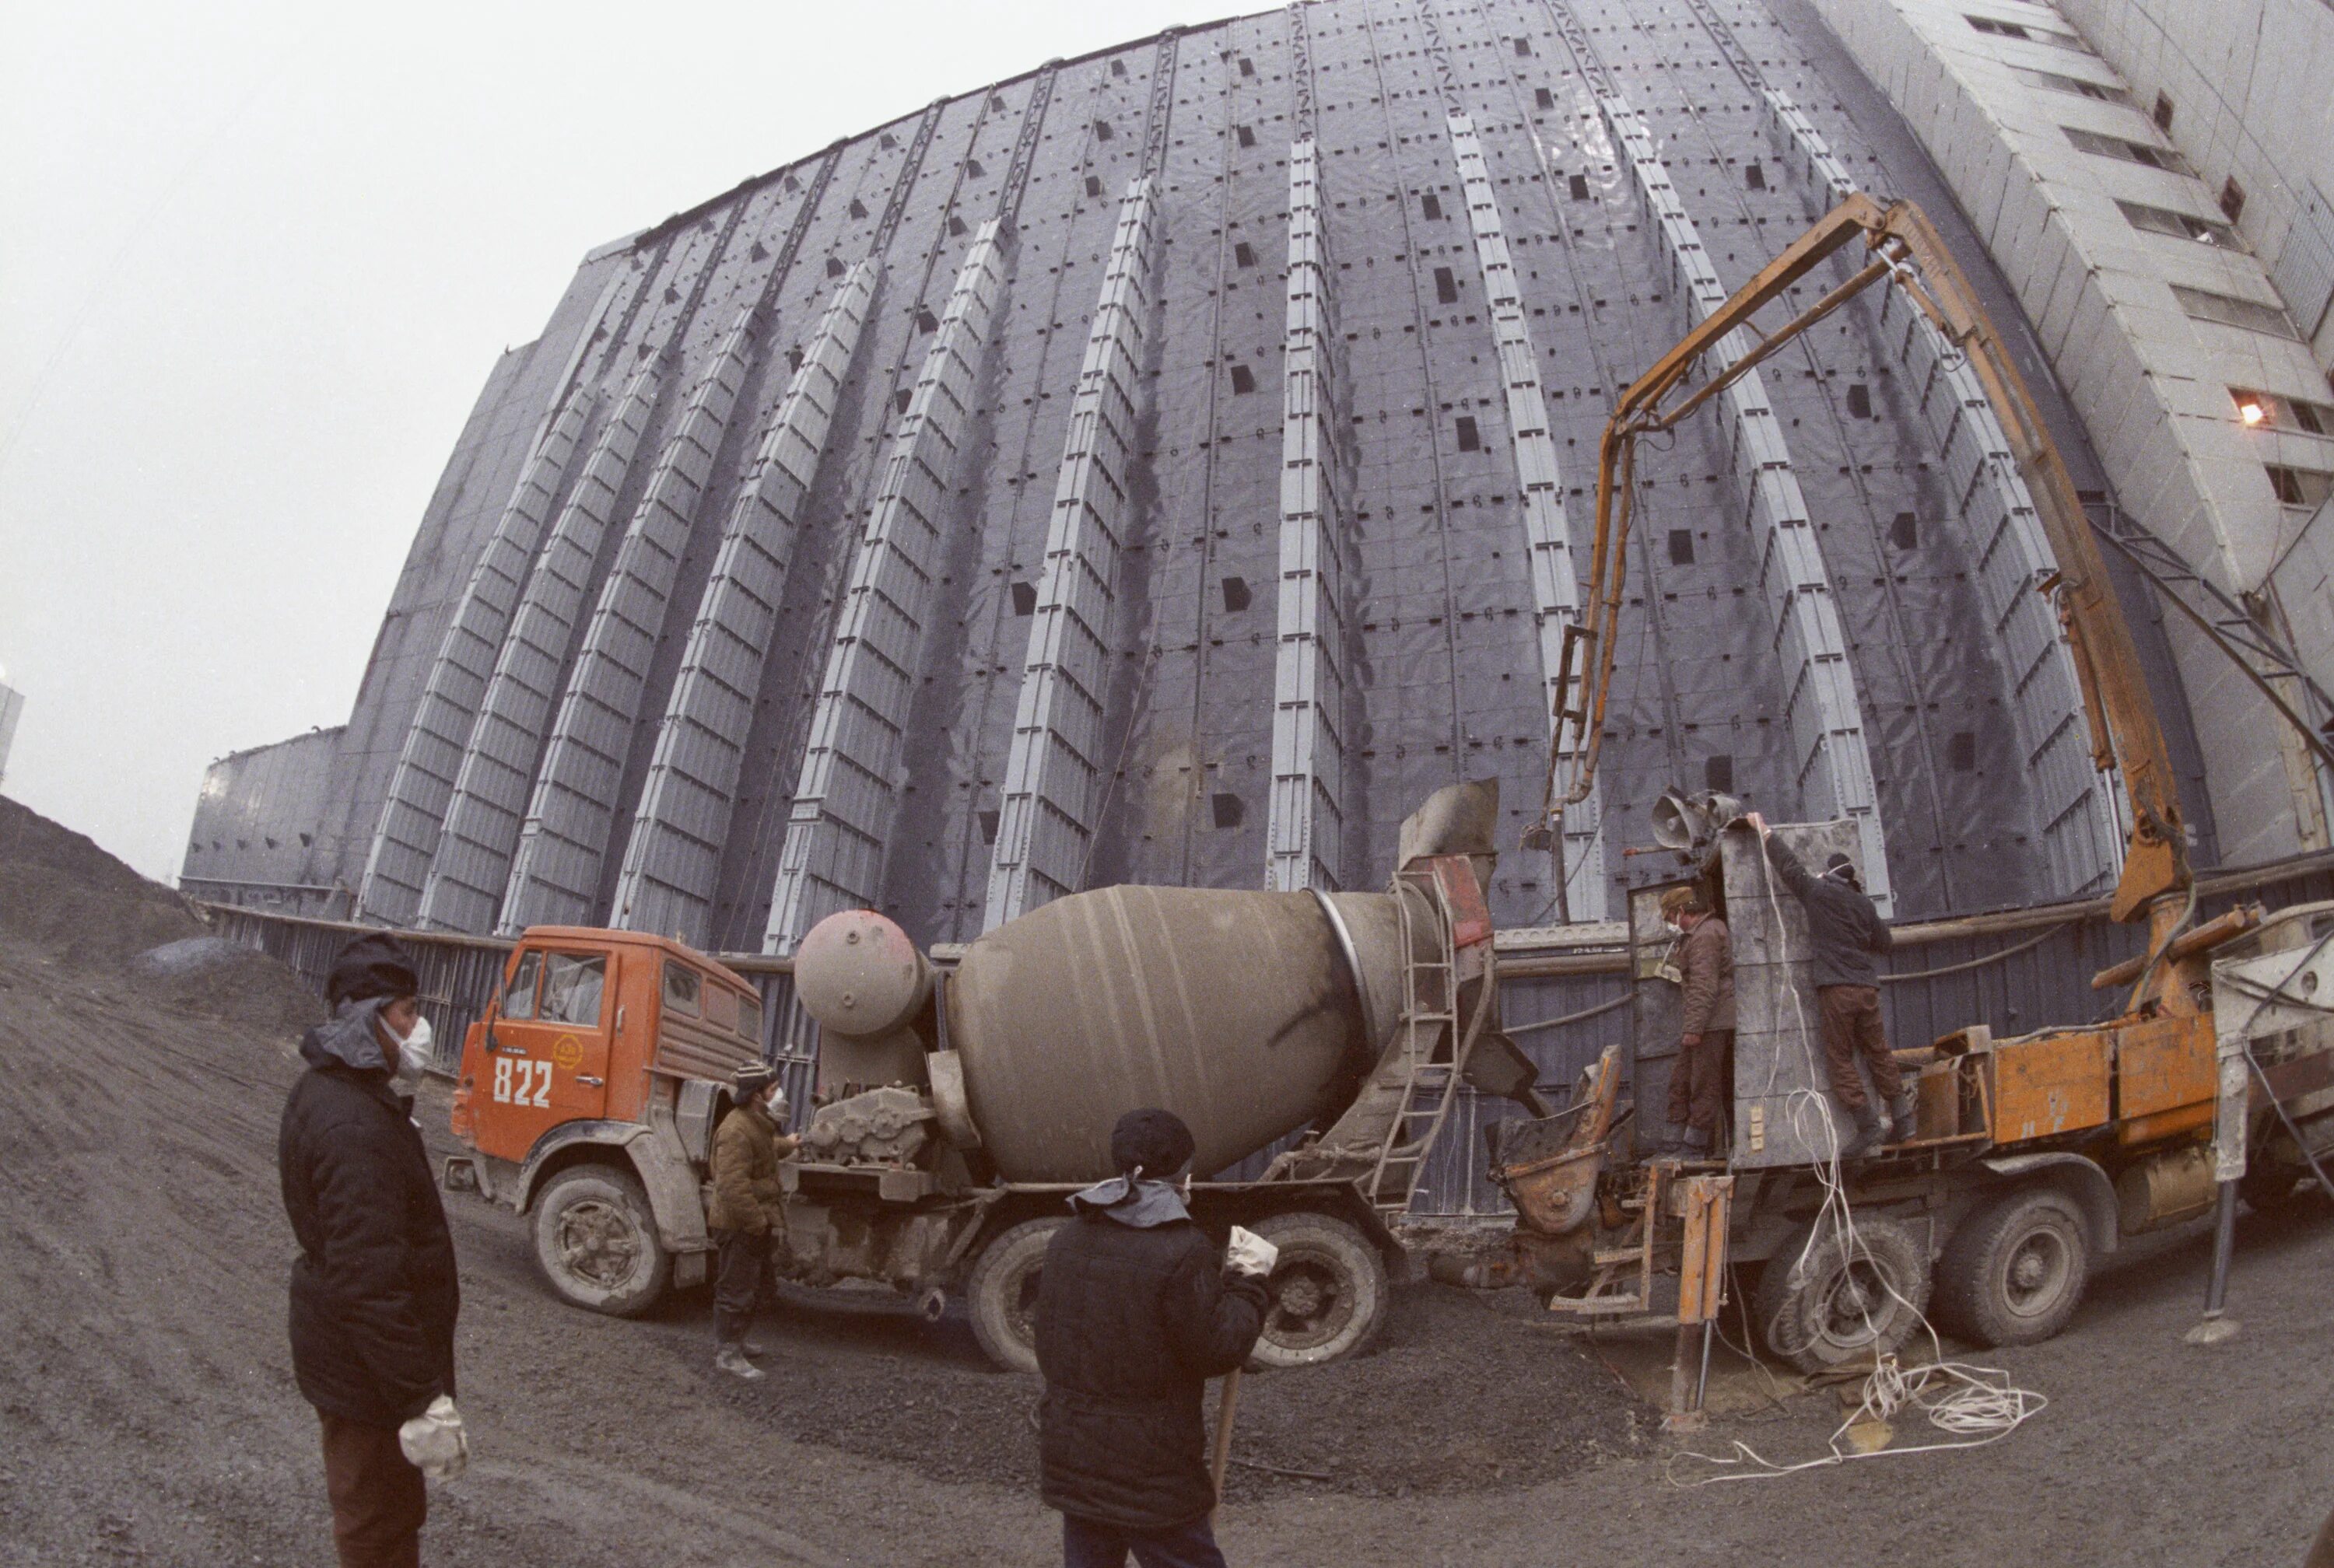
column 957, row 1108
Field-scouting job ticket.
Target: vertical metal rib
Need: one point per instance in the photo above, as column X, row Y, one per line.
column 1548, row 533
column 673, row 856
column 1045, row 817
column 1304, row 824
column 471, row 867
column 398, row 864
column 555, row 875
column 846, row 797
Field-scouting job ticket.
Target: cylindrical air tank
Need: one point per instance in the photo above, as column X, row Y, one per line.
column 1236, row 1010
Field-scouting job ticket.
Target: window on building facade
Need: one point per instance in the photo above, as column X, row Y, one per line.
column 2103, row 146
column 2178, row 225
column 2204, row 306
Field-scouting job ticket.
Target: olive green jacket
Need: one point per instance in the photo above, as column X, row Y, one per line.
column 746, row 1154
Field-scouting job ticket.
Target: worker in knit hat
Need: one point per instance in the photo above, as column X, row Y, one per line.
column 1136, row 1311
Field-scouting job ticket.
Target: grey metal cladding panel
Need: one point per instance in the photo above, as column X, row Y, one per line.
column 555, row 870
column 843, row 805
column 1051, row 774
column 259, row 817
column 398, row 862
column 671, row 858
column 471, row 865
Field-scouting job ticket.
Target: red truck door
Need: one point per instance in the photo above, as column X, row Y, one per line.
column 548, row 1061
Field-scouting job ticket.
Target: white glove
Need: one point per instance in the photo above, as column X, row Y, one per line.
column 434, row 1442
column 1249, row 1252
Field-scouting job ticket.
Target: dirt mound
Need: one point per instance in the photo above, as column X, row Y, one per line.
column 61, row 893
column 69, row 902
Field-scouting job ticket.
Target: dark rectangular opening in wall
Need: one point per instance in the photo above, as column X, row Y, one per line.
column 1859, row 400
column 1025, row 599
column 1246, row 134
column 956, row 225
column 1470, row 438
column 1961, row 751
column 1430, row 206
column 1228, row 810
column 835, row 268
column 1578, row 186
column 1905, row 533
column 794, row 358
column 1118, row 68
column 1248, row 66
column 2233, row 199
column 2163, row 115
column 1446, row 286
column 926, row 322
column 987, row 827
column 1236, row 597
column 1243, row 253
column 1523, row 46
column 1093, row 184
column 1103, row 132
column 1543, row 98
column 888, row 142
column 906, row 395
column 1243, row 379
column 1718, row 771
column 858, row 207
column 1681, row 546
column 1753, row 175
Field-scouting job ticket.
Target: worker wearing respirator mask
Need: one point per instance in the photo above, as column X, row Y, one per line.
column 373, row 1290
column 747, row 1216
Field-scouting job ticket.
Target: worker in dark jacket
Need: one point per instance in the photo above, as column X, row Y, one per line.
column 1705, row 960
column 373, row 1293
column 1136, row 1312
column 748, row 1215
column 1846, row 930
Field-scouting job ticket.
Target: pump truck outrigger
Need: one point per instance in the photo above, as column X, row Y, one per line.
column 955, row 1111
column 2033, row 1154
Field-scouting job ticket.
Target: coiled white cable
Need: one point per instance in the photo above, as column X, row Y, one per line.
column 1973, row 1404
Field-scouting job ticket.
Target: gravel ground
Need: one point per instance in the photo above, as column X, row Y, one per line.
column 150, row 1416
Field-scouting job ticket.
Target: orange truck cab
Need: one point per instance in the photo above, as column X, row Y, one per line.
column 588, row 1094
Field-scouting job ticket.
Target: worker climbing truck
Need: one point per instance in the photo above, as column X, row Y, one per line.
column 2034, row 1153
column 957, row 1109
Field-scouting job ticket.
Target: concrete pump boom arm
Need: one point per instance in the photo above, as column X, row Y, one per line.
column 1906, row 250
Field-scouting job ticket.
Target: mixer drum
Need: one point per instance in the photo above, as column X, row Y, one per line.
column 1236, row 1010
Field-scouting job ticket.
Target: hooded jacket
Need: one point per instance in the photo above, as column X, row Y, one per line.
column 1134, row 1314
column 374, row 1292
column 1843, row 924
column 1706, row 959
column 746, row 1192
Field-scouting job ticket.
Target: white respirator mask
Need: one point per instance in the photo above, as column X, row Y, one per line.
column 412, row 1046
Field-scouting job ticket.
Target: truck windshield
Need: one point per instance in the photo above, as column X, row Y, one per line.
column 571, row 984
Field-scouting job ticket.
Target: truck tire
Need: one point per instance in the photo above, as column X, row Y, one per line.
column 595, row 1240
column 2014, row 1272
column 2270, row 1188
column 1821, row 1306
column 1003, row 1292
column 1329, row 1291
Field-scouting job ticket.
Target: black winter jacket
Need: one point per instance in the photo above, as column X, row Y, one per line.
column 373, row 1293
column 1130, row 1324
column 1842, row 923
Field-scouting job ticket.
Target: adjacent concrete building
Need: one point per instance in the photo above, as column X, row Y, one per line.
column 1169, row 465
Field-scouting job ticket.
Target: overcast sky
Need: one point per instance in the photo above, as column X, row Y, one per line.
column 255, row 261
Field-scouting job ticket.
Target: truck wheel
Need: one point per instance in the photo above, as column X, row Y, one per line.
column 2014, row 1272
column 1004, row 1293
column 1822, row 1305
column 2269, row 1187
column 1328, row 1288
column 596, row 1242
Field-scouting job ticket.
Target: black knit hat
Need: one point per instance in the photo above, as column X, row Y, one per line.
column 1157, row 1141
column 753, row 1079
column 1842, row 868
column 373, row 965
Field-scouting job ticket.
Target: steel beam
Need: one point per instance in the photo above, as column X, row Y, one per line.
column 1052, row 774
column 398, row 864
column 1548, row 533
column 1821, row 704
column 673, row 856
column 846, row 795
column 554, row 874
column 471, row 867
column 1305, row 826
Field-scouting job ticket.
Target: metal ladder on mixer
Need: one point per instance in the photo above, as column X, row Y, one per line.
column 1430, row 1013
